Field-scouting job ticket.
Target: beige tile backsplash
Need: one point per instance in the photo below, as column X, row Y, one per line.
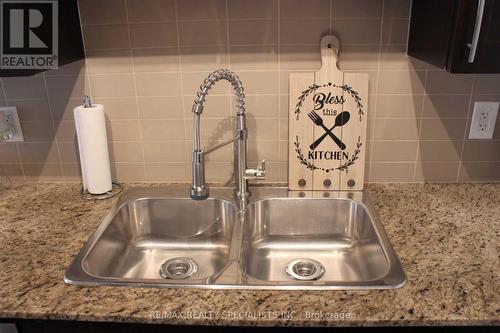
column 145, row 59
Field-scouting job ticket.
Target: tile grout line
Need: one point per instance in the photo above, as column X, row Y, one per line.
column 247, row 70
column 56, row 141
column 467, row 124
column 338, row 178
column 258, row 95
column 244, row 19
column 85, row 51
column 268, row 161
column 242, row 45
column 88, row 82
column 408, row 30
column 181, row 81
column 231, row 96
column 379, row 59
column 188, row 163
column 228, row 52
column 134, row 82
column 276, row 140
column 420, row 126
column 331, row 17
column 278, row 19
column 228, row 35
column 15, row 143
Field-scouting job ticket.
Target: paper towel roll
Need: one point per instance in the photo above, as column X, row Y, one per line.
column 93, row 147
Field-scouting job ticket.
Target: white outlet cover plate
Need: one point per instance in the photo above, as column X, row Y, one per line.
column 11, row 114
column 482, row 127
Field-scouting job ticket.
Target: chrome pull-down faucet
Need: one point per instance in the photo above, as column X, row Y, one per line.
column 199, row 188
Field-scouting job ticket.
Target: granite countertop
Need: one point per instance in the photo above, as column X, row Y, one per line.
column 447, row 237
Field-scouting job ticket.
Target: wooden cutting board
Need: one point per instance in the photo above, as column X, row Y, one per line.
column 327, row 125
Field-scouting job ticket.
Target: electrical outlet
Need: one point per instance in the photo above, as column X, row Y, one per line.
column 11, row 119
column 484, row 119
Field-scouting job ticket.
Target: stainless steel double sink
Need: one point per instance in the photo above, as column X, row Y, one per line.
column 158, row 237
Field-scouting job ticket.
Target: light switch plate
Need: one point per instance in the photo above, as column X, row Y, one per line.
column 13, row 120
column 484, row 119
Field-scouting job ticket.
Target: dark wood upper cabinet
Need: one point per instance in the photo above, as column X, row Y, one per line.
column 460, row 36
column 69, row 35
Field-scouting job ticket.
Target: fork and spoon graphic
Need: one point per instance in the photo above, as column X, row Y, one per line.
column 341, row 119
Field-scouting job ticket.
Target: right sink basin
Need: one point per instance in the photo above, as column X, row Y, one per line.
column 317, row 242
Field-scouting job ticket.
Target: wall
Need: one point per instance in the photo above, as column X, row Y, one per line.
column 146, row 59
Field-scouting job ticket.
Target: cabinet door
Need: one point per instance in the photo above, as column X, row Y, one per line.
column 476, row 48
column 488, row 50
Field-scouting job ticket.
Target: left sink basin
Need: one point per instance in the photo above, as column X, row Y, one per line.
column 157, row 241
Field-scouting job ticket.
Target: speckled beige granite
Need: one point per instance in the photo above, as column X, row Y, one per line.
column 447, row 237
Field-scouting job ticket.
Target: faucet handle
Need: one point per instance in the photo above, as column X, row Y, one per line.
column 263, row 165
column 260, row 170
column 258, row 173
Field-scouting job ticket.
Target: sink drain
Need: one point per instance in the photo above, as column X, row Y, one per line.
column 305, row 269
column 178, row 268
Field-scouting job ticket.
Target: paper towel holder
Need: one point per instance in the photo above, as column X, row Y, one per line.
column 116, row 188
